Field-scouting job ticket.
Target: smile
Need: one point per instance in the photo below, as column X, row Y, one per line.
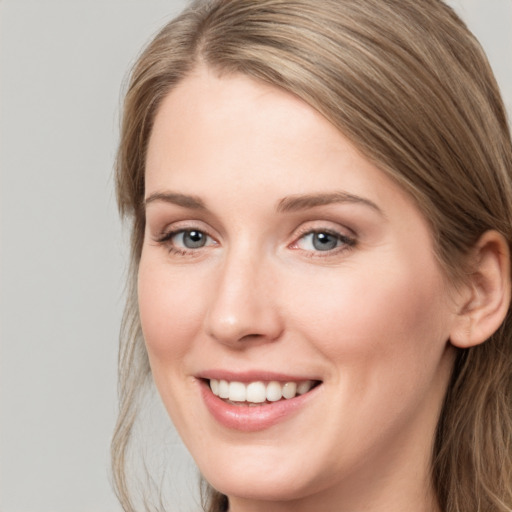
column 255, row 400
column 258, row 392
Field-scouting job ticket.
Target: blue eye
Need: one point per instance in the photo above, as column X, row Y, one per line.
column 185, row 241
column 323, row 241
column 190, row 239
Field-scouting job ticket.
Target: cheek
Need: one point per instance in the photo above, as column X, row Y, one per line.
column 383, row 335
column 170, row 309
column 385, row 317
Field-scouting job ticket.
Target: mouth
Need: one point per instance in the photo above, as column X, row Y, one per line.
column 258, row 393
column 256, row 400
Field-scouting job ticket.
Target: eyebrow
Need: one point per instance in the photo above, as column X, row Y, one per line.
column 186, row 201
column 303, row 202
column 287, row 204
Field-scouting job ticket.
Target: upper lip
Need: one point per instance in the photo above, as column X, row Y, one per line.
column 252, row 376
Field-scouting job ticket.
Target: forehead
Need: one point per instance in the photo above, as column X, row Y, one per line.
column 244, row 132
column 234, row 113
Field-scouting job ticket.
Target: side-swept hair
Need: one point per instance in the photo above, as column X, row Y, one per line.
column 410, row 87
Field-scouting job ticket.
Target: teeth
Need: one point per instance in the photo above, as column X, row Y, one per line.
column 214, row 384
column 237, row 392
column 289, row 390
column 258, row 392
column 223, row 389
column 303, row 387
column 274, row 391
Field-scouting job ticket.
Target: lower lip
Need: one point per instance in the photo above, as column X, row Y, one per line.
column 252, row 418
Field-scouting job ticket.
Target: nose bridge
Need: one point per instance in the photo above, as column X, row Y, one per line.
column 243, row 306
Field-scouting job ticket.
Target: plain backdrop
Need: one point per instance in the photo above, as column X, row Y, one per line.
column 63, row 252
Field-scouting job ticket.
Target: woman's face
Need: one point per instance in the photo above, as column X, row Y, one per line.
column 277, row 259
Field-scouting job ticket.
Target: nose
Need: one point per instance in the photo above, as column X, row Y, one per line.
column 243, row 309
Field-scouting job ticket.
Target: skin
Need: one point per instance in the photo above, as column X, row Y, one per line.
column 370, row 318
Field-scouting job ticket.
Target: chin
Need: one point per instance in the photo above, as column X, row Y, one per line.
column 269, row 477
column 266, row 487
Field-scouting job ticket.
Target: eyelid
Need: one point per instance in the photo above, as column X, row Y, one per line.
column 349, row 240
column 324, row 226
column 346, row 236
column 165, row 237
column 162, row 231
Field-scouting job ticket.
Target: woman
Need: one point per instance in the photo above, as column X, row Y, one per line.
column 321, row 201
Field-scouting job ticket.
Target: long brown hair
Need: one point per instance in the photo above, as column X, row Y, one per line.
column 410, row 86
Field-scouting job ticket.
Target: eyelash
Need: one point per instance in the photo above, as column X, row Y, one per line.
column 166, row 239
column 347, row 242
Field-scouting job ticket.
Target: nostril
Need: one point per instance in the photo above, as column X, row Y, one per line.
column 248, row 327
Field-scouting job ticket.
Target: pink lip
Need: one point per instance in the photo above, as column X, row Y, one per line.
column 253, row 418
column 251, row 376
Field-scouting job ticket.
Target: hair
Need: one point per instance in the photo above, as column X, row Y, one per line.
column 408, row 84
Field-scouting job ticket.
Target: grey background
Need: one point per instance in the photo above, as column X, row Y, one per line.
column 63, row 252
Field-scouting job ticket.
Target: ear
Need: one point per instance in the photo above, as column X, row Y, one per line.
column 485, row 300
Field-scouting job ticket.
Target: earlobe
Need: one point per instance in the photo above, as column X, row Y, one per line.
column 484, row 306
